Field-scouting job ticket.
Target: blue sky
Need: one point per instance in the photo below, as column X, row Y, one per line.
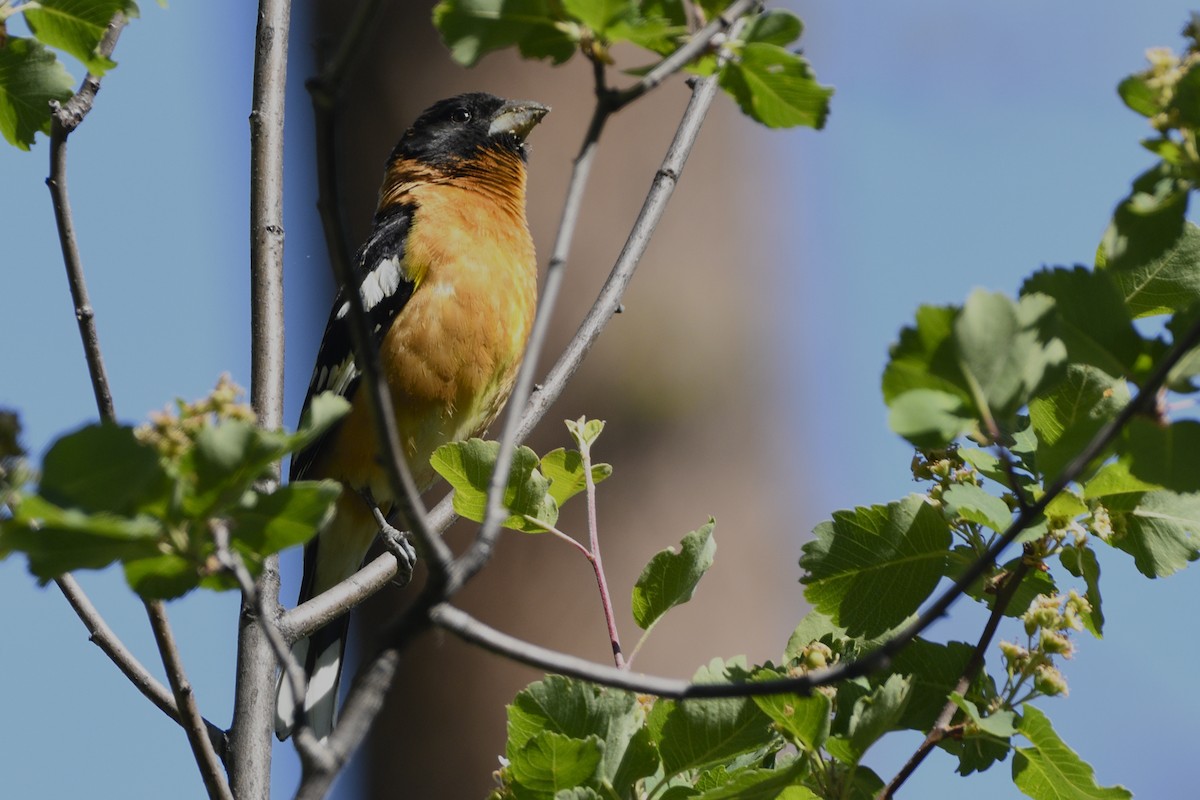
column 969, row 144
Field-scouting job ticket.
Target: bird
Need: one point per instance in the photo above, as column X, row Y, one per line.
column 449, row 284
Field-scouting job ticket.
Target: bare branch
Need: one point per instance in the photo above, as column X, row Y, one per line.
column 250, row 733
column 63, row 120
column 941, row 726
column 103, row 637
column 310, row 749
column 193, row 724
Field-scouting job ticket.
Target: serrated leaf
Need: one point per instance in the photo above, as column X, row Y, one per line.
column 975, row 505
column 1115, row 479
column 692, row 734
column 1092, row 318
column 564, row 469
column 1006, row 350
column 814, row 627
column 896, row 551
column 924, row 357
column 873, row 715
column 600, row 15
column 1067, row 418
column 77, row 26
column 581, row 710
column 1080, row 561
column 671, row 577
column 1166, row 456
column 774, row 26
column 776, row 87
column 550, row 762
column 468, row 466
column 1049, row 770
column 1161, row 530
column 804, row 720
column 933, row 669
column 929, row 418
column 473, row 28
column 104, row 468
column 264, row 524
column 30, row 77
column 757, row 784
column 58, row 540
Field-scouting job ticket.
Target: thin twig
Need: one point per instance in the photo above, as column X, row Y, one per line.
column 941, row 727
column 310, row 749
column 254, row 707
column 193, row 724
column 63, row 120
column 610, row 618
column 103, row 637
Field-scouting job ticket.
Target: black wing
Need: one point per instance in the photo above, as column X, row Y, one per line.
column 385, row 291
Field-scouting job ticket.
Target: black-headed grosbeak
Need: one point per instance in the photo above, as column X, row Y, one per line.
column 449, row 283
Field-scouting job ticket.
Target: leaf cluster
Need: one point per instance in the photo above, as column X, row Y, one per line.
column 31, row 75
column 771, row 83
column 153, row 498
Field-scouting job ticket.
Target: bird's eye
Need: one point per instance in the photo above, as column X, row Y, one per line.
column 460, row 115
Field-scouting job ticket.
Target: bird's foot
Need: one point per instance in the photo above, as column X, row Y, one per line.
column 400, row 545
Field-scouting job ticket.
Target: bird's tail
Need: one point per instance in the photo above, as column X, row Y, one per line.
column 334, row 555
column 321, row 656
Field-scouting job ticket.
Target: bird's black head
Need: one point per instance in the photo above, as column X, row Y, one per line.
column 460, row 128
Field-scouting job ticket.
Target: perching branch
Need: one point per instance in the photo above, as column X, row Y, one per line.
column 193, row 724
column 104, row 638
column 250, row 733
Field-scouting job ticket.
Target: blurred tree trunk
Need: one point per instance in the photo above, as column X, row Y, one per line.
column 683, row 379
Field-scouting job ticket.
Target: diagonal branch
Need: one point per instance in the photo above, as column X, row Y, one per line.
column 103, row 637
column 193, row 724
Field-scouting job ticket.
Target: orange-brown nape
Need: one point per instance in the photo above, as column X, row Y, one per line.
column 449, row 283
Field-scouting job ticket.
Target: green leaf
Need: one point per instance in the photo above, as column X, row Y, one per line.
column 1150, row 249
column 933, row 670
column 874, row 714
column 671, row 577
column 1093, row 320
column 1167, row 456
column 776, row 87
column 1115, row 479
column 77, row 26
column 600, row 15
column 104, row 468
column 1049, row 770
column 975, row 505
column 774, row 26
column 1080, row 561
column 896, row 551
column 550, row 762
column 564, row 469
column 1000, row 724
column 1161, row 531
column 468, row 466
column 692, row 734
column 161, row 577
column 1137, row 94
column 30, row 77
column 758, row 784
column 1066, row 418
column 929, row 418
column 1006, row 350
column 263, row 524
column 585, row 431
column 804, row 720
column 1185, row 103
column 474, row 28
column 58, row 540
column 924, row 357
column 581, row 710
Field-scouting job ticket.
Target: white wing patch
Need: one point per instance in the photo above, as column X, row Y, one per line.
column 381, row 282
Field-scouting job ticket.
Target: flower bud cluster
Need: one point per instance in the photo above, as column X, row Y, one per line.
column 1048, row 622
column 172, row 434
